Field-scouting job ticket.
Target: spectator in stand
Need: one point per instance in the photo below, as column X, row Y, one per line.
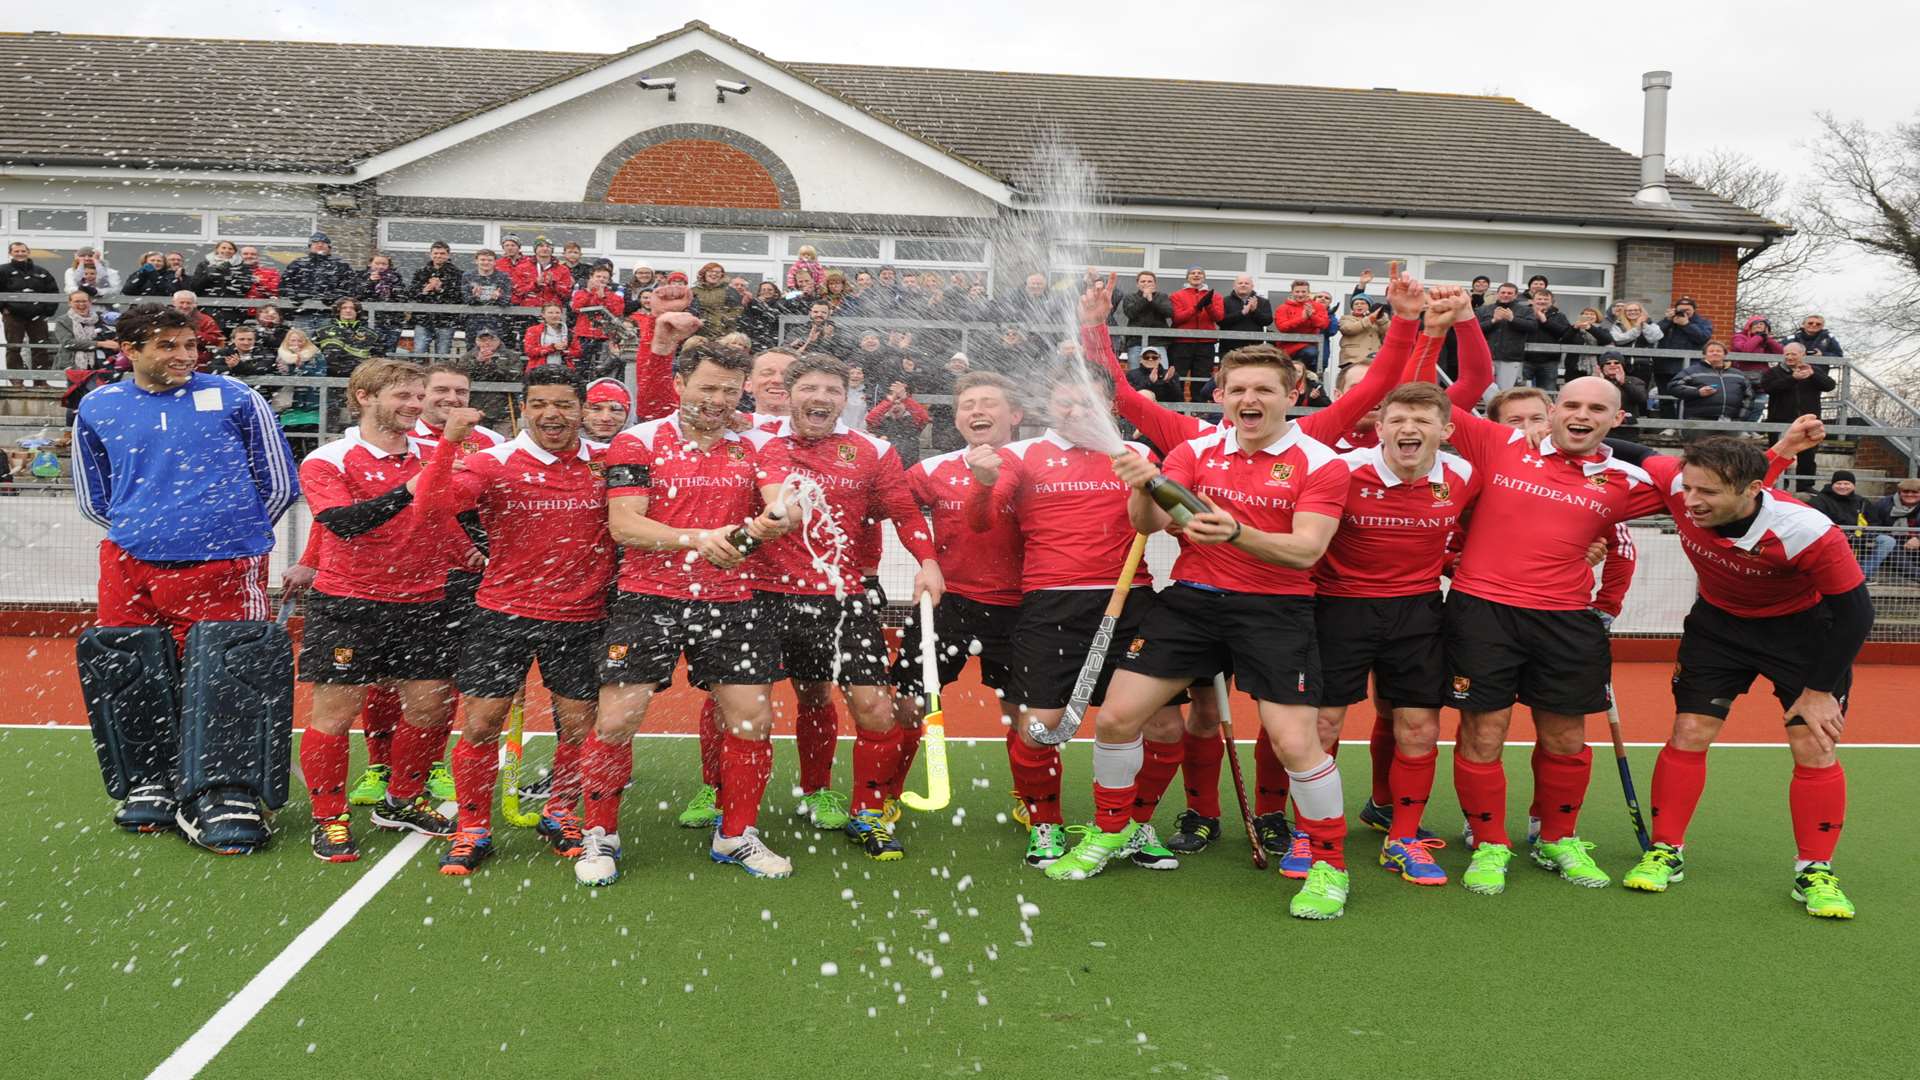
column 271, row 325
column 177, row 266
column 518, row 266
column 1589, row 329
column 1632, row 329
column 1755, row 337
column 760, row 316
column 1509, row 324
column 1814, row 335
column 570, row 258
column 1332, row 308
column 854, row 412
column 1195, row 307
column 898, row 418
column 243, row 357
column 204, row 328
column 867, row 351
column 1793, row 390
column 489, row 361
column 1633, row 391
column 1855, row 514
column 222, row 276
column 298, row 355
column 1155, row 376
column 90, row 280
column 486, row 286
column 550, row 280
column 105, row 278
column 802, row 286
column 382, row 283
column 819, row 335
column 1542, row 369
column 835, row 291
column 1683, row 328
column 436, row 284
column 1146, row 306
column 25, row 321
column 1477, row 292
column 1537, row 283
column 1300, row 313
column 316, row 279
column 1901, row 512
column 1362, row 329
column 265, row 277
column 717, row 302
column 597, row 306
column 551, row 340
column 1246, row 311
column 807, row 261
column 1030, row 306
column 347, row 339
column 1710, row 388
column 83, row 333
column 151, row 278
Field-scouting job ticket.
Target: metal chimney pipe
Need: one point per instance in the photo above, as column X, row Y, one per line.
column 1653, row 141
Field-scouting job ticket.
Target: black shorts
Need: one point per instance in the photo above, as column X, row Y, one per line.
column 1554, row 661
column 496, row 652
column 1721, row 653
column 1267, row 642
column 725, row 643
column 462, row 587
column 354, row 642
column 818, row 634
column 1052, row 634
column 1399, row 640
column 963, row 628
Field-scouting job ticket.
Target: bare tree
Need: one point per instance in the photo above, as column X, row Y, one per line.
column 1865, row 194
column 1772, row 279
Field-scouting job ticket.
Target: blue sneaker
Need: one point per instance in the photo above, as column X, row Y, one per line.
column 868, row 830
column 1299, row 857
column 1413, row 860
column 1380, row 819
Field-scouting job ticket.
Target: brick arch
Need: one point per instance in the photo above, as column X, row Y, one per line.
column 694, row 165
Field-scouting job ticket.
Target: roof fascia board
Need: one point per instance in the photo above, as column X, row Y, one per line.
column 206, row 176
column 1413, row 222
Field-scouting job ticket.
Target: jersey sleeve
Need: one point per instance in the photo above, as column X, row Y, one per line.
column 629, row 467
column 1161, row 426
column 896, row 500
column 92, row 474
column 986, row 505
column 1359, row 400
column 920, row 484
column 1477, row 438
column 325, row 486
column 1325, row 491
column 269, row 456
column 1476, row 364
column 1616, row 574
column 1830, row 563
column 1181, row 466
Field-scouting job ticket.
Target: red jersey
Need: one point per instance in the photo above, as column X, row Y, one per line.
column 549, row 554
column 983, row 567
column 403, row 559
column 1070, row 509
column 1393, row 533
column 1786, row 561
column 1262, row 488
column 863, row 482
column 1537, row 513
column 689, row 488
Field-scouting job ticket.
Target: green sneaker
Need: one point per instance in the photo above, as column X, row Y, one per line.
column 370, row 788
column 1659, row 868
column 1571, row 857
column 1148, row 853
column 1817, row 888
column 701, row 811
column 1324, row 896
column 1046, row 843
column 440, row 783
column 1091, row 854
column 826, row 809
column 1487, row 870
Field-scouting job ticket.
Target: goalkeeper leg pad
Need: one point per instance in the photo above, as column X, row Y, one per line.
column 129, row 678
column 236, row 738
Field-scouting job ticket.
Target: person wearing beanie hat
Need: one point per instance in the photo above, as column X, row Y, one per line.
column 319, row 277
column 608, row 406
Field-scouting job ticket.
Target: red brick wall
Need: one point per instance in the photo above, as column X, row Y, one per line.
column 694, row 172
column 1709, row 273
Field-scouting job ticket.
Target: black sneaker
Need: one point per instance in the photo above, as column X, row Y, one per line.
column 1276, row 836
column 1380, row 819
column 148, row 809
column 469, row 849
column 874, row 838
column 417, row 816
column 564, row 834
column 537, row 790
column 1192, row 833
column 333, row 840
column 226, row 821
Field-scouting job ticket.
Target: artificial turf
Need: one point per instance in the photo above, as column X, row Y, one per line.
column 115, row 948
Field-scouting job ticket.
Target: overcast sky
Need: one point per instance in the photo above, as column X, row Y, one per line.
column 1747, row 76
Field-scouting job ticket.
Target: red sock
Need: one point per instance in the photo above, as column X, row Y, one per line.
column 1112, row 807
column 1412, row 785
column 817, row 733
column 1679, row 777
column 1818, row 798
column 1161, row 762
column 1036, row 775
column 323, row 761
column 377, row 718
column 605, row 769
column 1381, row 748
column 1533, row 762
column 475, row 768
column 745, row 766
column 909, row 749
column 414, row 752
column 563, row 796
column 1482, row 790
column 712, row 738
column 1561, row 788
column 876, row 757
column 1270, row 781
column 441, row 732
column 1201, row 756
column 1327, row 837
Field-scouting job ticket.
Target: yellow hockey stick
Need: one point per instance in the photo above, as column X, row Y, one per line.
column 510, row 772
column 933, row 741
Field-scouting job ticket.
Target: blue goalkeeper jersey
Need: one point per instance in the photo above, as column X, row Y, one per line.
column 192, row 474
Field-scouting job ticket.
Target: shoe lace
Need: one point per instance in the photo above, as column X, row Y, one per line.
column 1492, row 856
column 826, row 799
column 873, row 826
column 705, row 799
column 1044, row 835
column 1420, row 850
column 1189, row 821
column 150, row 793
column 1322, row 877
column 570, row 828
column 464, row 843
column 1573, row 851
column 1821, row 884
column 336, row 831
column 1662, row 854
column 1300, row 847
column 593, row 844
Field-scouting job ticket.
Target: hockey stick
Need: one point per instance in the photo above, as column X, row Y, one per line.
column 1096, row 656
column 510, row 771
column 933, row 740
column 1233, row 760
column 1626, row 773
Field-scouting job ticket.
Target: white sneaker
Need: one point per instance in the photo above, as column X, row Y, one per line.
column 599, row 861
column 749, row 853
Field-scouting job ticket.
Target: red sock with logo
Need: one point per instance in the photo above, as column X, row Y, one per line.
column 817, row 737
column 1562, row 787
column 475, row 769
column 323, row 761
column 1679, row 778
column 1818, row 801
column 1112, row 808
column 1412, row 785
column 746, row 765
column 605, row 769
column 876, row 757
column 414, row 752
column 1270, row 783
column 1036, row 775
column 1160, row 761
column 377, row 718
column 712, row 738
column 1327, row 839
column 563, row 795
column 1381, row 748
column 909, row 750
column 1482, row 789
column 1201, row 756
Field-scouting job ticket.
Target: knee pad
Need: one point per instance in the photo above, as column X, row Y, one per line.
column 236, row 714
column 130, row 679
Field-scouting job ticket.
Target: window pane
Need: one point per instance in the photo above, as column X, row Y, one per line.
column 970, row 251
column 1570, row 303
column 1465, row 270
column 559, row 236
column 837, row 247
column 53, row 220
column 1121, row 256
column 1290, row 262
column 290, row 226
column 1232, row 262
column 1573, row 276
column 463, row 233
column 650, row 240
column 1353, row 265
column 151, row 221
column 725, row 243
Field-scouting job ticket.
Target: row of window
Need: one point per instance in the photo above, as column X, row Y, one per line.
column 215, row 224
column 615, row 241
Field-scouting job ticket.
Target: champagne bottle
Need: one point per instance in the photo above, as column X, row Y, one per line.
column 1173, row 497
column 743, row 541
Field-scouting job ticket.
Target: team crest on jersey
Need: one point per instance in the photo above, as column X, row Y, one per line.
column 617, row 653
column 1461, row 685
column 1598, row 481
column 343, row 658
column 737, row 452
column 1282, row 471
column 469, row 445
column 597, row 468
column 1442, row 491
column 847, row 453
column 1133, row 650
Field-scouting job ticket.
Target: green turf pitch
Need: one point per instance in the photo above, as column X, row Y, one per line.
column 115, row 948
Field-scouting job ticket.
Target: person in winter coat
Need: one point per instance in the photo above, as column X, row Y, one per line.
column 83, row 333
column 489, row 361
column 1246, row 311
column 1195, row 307
column 152, row 278
column 717, row 303
column 1793, row 389
column 1813, row 333
column 1683, row 328
column 549, row 279
column 105, row 278
column 1147, row 306
column 551, row 340
column 1756, row 337
column 1899, row 511
column 1710, row 389
column 589, row 326
column 318, row 278
column 25, row 321
column 1509, row 324
column 436, row 284
column 1843, row 504
column 1589, row 329
column 1541, row 370
column 204, row 328
column 1632, row 329
column 898, row 418
column 807, row 261
column 298, row 355
column 486, row 286
column 1362, row 329
column 1300, row 313
column 265, row 278
column 347, row 339
column 760, row 316
column 272, row 328
column 243, row 356
column 222, row 276
column 383, row 283
column 1633, row 391
column 1155, row 376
